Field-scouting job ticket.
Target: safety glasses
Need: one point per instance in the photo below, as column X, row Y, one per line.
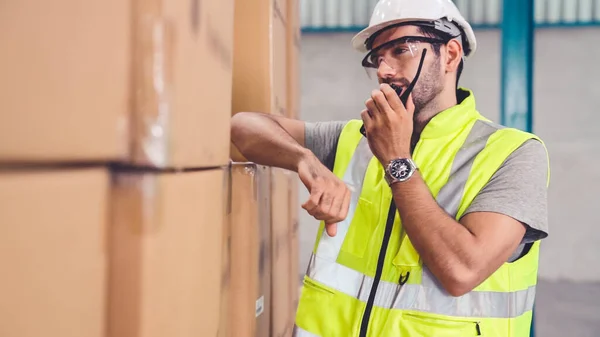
column 396, row 55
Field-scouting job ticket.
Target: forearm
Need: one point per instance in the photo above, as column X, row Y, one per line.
column 262, row 140
column 446, row 247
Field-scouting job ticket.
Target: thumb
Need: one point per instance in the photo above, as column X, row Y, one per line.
column 331, row 229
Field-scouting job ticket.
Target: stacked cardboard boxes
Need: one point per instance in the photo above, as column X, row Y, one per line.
column 293, row 59
column 265, row 80
column 293, row 96
column 165, row 261
column 294, row 241
column 95, row 249
column 259, row 63
column 54, row 252
column 248, row 313
column 122, row 214
column 142, row 82
column 281, row 296
column 260, row 59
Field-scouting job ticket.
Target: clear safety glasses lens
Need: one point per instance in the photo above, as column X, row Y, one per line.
column 395, row 56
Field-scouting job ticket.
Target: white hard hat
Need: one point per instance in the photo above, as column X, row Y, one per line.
column 393, row 12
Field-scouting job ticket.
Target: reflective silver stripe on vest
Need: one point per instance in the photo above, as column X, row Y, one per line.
column 451, row 194
column 433, row 299
column 299, row 332
column 329, row 247
column 429, row 296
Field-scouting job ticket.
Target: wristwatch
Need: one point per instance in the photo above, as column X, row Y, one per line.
column 399, row 170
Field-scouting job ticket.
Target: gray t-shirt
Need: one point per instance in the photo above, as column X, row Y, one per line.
column 518, row 189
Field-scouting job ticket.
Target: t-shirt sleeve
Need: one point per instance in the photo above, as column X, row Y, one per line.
column 322, row 139
column 519, row 190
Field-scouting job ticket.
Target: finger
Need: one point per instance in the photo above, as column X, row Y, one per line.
column 331, row 229
column 367, row 119
column 392, row 97
column 372, row 108
column 337, row 204
column 345, row 205
column 313, row 200
column 381, row 101
column 325, row 204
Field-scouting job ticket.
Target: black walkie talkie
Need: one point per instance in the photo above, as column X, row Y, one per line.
column 403, row 96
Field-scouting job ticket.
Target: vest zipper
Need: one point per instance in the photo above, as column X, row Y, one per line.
column 478, row 328
column 364, row 325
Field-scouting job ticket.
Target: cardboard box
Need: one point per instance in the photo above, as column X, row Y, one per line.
column 166, row 246
column 293, row 59
column 226, row 299
column 260, row 53
column 144, row 82
column 259, row 59
column 295, row 274
column 281, row 295
column 250, row 251
column 54, row 252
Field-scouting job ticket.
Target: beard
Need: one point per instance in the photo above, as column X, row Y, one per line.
column 429, row 85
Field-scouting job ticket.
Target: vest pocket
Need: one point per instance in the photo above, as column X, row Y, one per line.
column 361, row 229
column 312, row 285
column 422, row 324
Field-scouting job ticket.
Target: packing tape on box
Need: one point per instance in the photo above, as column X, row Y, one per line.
column 248, row 168
column 152, row 83
column 138, row 193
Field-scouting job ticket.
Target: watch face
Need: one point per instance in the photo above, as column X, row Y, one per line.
column 400, row 169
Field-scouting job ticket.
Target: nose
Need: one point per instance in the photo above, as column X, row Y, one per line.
column 384, row 71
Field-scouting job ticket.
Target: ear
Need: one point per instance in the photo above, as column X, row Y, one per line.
column 454, row 52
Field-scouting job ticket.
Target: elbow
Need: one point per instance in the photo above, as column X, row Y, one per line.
column 239, row 128
column 237, row 125
column 460, row 281
column 239, row 136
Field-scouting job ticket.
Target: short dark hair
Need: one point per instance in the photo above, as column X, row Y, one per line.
column 434, row 33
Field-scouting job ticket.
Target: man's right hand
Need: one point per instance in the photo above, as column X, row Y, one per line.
column 329, row 197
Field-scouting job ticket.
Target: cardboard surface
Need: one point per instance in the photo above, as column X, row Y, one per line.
column 250, row 251
column 259, row 62
column 65, row 79
column 293, row 59
column 263, row 327
column 54, row 252
column 166, row 244
column 293, row 185
column 152, row 88
column 225, row 308
column 281, row 315
column 182, row 74
column 259, row 59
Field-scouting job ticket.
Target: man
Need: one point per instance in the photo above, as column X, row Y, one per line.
column 431, row 214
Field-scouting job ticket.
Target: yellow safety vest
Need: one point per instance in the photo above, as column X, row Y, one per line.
column 370, row 278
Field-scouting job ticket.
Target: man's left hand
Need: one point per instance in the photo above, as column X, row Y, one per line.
column 389, row 125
